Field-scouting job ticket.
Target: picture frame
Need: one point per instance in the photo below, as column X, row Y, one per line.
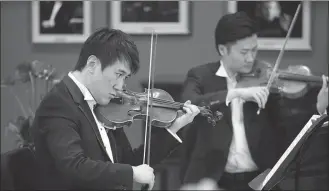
column 61, row 21
column 133, row 17
column 269, row 38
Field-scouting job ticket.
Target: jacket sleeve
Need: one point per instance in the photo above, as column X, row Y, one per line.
column 59, row 129
column 193, row 90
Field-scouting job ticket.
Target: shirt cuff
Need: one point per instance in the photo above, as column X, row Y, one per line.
column 175, row 135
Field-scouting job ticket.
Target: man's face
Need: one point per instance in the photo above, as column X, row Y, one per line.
column 105, row 84
column 241, row 55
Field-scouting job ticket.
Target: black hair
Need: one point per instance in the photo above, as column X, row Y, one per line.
column 233, row 27
column 109, row 45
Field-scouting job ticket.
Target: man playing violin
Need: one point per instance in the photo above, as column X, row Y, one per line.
column 243, row 144
column 74, row 150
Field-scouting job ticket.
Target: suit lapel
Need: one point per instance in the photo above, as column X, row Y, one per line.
column 84, row 108
column 86, row 111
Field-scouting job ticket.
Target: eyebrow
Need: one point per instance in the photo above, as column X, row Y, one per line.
column 246, row 49
column 122, row 71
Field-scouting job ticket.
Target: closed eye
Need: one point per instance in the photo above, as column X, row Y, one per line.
column 119, row 75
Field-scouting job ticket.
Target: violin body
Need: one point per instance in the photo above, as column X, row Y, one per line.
column 121, row 112
column 292, row 82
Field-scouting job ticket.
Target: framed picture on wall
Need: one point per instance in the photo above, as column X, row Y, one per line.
column 143, row 17
column 61, row 21
column 274, row 19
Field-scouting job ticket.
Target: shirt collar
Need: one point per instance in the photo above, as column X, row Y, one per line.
column 222, row 71
column 84, row 90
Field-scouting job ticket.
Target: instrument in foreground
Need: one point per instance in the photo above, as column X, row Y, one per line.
column 130, row 106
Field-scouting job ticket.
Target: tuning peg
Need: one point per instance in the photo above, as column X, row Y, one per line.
column 219, row 115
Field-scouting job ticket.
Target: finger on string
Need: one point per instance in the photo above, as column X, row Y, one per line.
column 195, row 110
column 188, row 110
column 180, row 113
column 188, row 102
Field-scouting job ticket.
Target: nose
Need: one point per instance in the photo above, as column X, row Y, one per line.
column 250, row 56
column 119, row 85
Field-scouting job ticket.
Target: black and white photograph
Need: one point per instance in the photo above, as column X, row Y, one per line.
column 164, row 95
column 143, row 17
column 274, row 18
column 60, row 21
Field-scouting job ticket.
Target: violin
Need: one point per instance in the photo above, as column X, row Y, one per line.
column 289, row 82
column 292, row 82
column 129, row 105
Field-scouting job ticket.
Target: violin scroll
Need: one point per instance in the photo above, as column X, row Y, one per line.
column 212, row 117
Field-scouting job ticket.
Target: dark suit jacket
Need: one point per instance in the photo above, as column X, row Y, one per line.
column 206, row 149
column 70, row 150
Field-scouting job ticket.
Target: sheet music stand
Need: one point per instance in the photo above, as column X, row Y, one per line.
column 271, row 177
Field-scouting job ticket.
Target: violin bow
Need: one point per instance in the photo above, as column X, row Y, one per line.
column 148, row 123
column 278, row 60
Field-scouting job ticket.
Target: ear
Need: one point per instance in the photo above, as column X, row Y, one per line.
column 222, row 49
column 92, row 62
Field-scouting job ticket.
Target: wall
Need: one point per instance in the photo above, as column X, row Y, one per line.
column 175, row 54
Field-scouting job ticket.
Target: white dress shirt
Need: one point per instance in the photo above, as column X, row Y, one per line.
column 91, row 102
column 239, row 157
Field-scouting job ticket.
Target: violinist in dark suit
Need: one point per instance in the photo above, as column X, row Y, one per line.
column 243, row 144
column 74, row 150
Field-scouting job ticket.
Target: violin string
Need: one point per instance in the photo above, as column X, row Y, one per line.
column 168, row 102
column 300, row 77
column 173, row 104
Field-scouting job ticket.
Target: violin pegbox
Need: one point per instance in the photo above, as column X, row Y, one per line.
column 211, row 118
column 219, row 115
